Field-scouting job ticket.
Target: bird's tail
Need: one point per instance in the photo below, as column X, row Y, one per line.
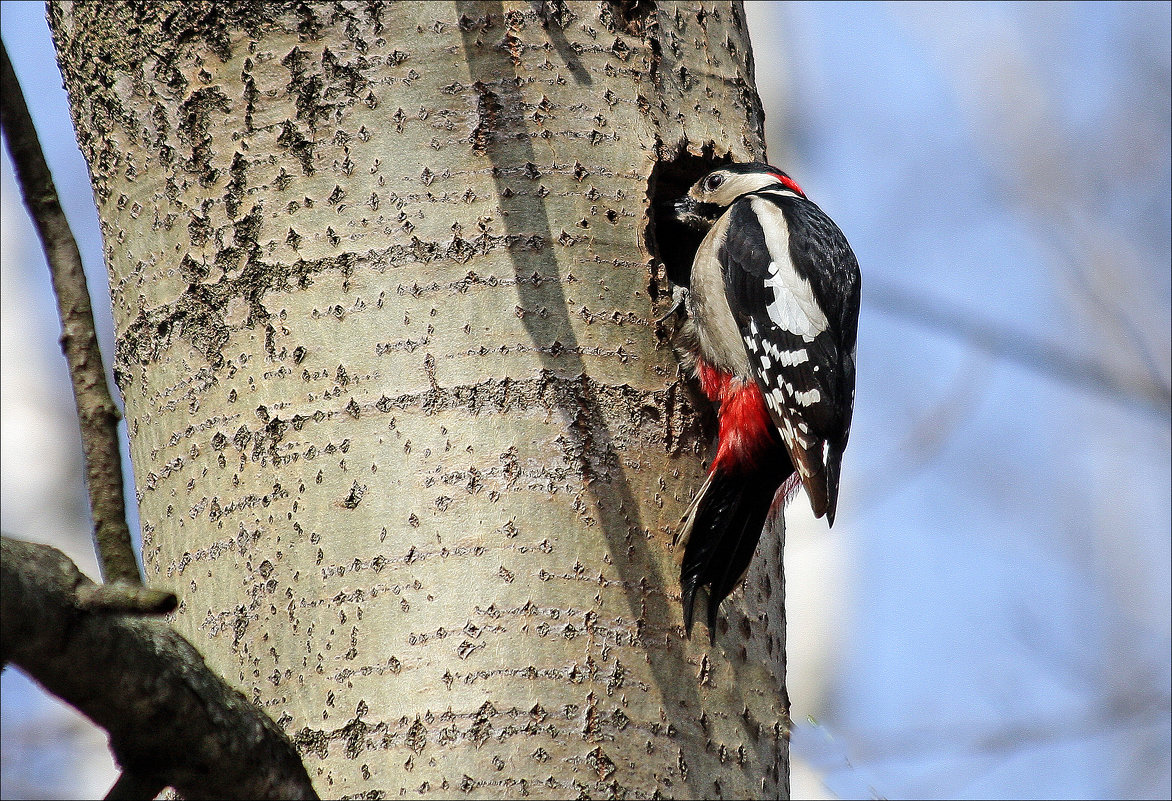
column 720, row 533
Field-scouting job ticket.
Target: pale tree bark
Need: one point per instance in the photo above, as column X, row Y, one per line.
column 408, row 444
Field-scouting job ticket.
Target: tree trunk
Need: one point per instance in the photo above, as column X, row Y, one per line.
column 406, row 442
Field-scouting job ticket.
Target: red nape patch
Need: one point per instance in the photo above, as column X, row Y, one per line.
column 746, row 430
column 788, row 183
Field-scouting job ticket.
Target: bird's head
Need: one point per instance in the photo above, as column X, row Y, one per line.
column 711, row 195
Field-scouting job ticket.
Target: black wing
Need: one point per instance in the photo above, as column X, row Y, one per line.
column 793, row 285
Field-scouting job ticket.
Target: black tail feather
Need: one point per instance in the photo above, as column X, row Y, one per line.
column 722, row 533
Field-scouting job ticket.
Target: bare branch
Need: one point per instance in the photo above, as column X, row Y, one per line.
column 95, row 407
column 172, row 721
column 1027, row 350
column 119, row 597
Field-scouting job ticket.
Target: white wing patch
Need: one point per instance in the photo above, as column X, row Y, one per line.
column 808, row 398
column 794, row 308
column 792, row 358
column 786, row 358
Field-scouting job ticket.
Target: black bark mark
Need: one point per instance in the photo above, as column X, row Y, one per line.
column 488, row 110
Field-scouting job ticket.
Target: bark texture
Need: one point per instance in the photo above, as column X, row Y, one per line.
column 405, row 440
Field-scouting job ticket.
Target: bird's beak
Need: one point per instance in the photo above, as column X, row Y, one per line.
column 693, row 213
column 683, row 208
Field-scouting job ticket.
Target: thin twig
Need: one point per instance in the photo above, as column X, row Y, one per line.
column 1017, row 345
column 119, row 597
column 95, row 407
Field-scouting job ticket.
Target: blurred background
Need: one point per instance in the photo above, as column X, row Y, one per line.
column 990, row 617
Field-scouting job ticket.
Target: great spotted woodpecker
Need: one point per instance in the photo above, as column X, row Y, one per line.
column 772, row 315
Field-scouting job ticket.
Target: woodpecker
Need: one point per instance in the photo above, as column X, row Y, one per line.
column 772, row 316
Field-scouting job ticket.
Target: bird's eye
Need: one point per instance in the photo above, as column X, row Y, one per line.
column 713, row 182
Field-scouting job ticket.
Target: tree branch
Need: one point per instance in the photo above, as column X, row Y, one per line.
column 1019, row 346
column 95, row 407
column 172, row 721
